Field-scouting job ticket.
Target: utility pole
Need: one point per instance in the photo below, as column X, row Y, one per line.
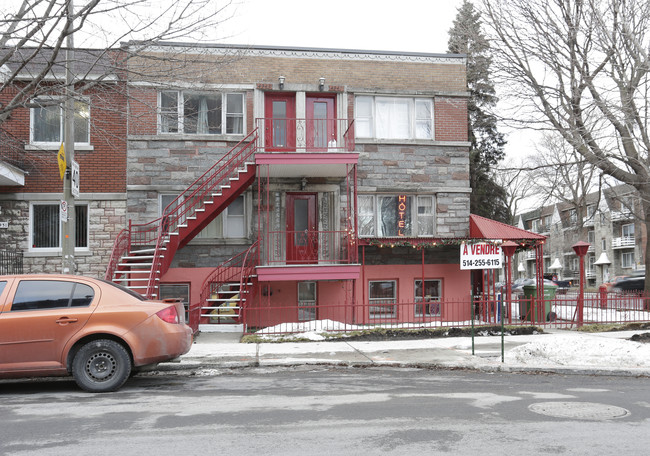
column 69, row 265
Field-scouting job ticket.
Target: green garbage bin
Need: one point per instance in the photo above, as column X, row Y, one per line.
column 526, row 308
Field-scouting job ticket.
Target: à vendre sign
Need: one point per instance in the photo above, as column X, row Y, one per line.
column 480, row 255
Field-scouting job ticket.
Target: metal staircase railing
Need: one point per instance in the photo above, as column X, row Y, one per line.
column 216, row 300
column 163, row 236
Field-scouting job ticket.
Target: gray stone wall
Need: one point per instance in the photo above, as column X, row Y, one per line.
column 436, row 169
column 106, row 219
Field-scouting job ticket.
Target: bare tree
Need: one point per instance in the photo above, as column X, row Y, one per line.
column 580, row 68
column 516, row 181
column 33, row 36
column 560, row 174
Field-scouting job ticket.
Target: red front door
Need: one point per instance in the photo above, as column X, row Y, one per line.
column 280, row 123
column 302, row 228
column 321, row 124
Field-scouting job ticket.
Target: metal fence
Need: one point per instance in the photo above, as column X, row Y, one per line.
column 11, row 262
column 559, row 312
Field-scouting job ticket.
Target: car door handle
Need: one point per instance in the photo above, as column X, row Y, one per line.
column 65, row 320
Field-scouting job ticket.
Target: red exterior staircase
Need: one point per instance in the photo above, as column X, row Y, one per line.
column 142, row 253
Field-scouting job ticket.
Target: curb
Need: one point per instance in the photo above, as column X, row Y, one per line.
column 210, row 363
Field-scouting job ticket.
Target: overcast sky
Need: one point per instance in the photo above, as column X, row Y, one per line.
column 384, row 25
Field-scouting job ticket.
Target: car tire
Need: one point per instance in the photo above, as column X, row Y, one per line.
column 101, row 366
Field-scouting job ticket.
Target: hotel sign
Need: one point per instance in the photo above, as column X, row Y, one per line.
column 481, row 255
column 401, row 214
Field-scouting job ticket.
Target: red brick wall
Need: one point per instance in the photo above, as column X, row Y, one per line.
column 451, row 119
column 102, row 169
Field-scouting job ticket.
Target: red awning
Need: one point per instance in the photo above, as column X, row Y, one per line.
column 484, row 228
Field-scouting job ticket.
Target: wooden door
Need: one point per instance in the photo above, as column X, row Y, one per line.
column 321, row 123
column 302, row 228
column 280, row 123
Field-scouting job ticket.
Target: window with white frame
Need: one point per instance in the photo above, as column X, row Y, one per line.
column 47, row 121
column 627, row 230
column 45, row 226
column 211, row 113
column 306, row 301
column 382, row 296
column 627, row 259
column 429, row 304
column 591, row 236
column 230, row 224
column 396, row 215
column 394, row 117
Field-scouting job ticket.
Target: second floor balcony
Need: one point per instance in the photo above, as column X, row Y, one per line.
column 624, row 242
column 288, row 135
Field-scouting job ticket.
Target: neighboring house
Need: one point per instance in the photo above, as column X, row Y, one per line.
column 609, row 221
column 30, row 187
column 332, row 165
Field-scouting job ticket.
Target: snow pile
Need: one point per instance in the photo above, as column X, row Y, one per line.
column 315, row 330
column 590, row 351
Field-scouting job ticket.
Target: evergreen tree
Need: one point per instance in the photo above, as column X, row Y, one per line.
column 488, row 199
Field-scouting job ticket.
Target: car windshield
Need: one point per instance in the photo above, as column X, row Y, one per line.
column 125, row 290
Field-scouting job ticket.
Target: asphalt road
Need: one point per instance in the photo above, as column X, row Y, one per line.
column 329, row 411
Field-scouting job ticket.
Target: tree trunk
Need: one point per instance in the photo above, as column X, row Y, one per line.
column 646, row 218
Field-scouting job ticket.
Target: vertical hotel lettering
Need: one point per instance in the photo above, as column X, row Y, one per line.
column 401, row 212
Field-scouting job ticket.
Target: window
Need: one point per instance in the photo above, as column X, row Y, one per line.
column 591, row 210
column 537, row 224
column 306, row 301
column 431, row 305
column 382, row 297
column 394, row 117
column 603, row 244
column 396, row 215
column 177, row 291
column 47, row 122
column 201, row 113
column 627, row 231
column 627, row 260
column 45, row 230
column 572, row 216
column 51, row 294
column 591, row 237
column 230, row 224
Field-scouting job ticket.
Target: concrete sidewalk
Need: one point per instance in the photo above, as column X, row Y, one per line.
column 223, row 350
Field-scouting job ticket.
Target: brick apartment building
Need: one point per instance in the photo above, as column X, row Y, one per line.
column 355, row 162
column 609, row 221
column 265, row 185
column 30, row 185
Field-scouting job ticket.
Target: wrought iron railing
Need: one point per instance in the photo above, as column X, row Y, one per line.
column 157, row 232
column 309, row 247
column 305, row 135
column 11, row 262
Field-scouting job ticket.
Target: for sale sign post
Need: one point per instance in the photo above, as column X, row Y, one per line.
column 480, row 255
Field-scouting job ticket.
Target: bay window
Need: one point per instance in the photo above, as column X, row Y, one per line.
column 48, row 120
column 394, row 117
column 396, row 215
column 211, row 113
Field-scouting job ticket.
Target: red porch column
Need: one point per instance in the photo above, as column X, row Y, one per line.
column 580, row 248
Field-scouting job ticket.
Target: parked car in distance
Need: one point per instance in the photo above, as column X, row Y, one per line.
column 519, row 284
column 635, row 282
column 94, row 330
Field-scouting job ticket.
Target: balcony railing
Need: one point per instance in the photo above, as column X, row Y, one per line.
column 624, row 242
column 305, row 135
column 308, row 248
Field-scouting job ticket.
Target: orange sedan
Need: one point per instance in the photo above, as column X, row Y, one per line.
column 97, row 331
